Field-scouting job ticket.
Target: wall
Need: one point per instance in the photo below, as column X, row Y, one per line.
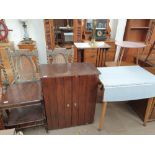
column 35, row 29
column 113, row 25
column 36, row 32
column 120, row 34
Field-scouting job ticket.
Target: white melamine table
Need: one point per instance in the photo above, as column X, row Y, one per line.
column 125, row 83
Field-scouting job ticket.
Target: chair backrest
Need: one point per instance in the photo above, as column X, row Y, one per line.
column 24, row 64
column 58, row 55
column 6, row 72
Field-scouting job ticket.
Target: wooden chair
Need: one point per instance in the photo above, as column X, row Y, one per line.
column 22, row 106
column 124, row 46
column 60, row 55
column 24, row 65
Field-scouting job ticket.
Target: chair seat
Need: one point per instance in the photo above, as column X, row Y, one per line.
column 22, row 94
column 123, row 63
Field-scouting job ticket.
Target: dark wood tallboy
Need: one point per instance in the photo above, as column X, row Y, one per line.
column 70, row 92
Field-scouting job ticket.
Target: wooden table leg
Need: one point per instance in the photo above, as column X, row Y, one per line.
column 105, row 55
column 121, row 56
column 80, row 55
column 148, row 110
column 101, row 122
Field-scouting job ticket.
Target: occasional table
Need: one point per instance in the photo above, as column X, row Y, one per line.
column 125, row 83
column 101, row 47
column 125, row 45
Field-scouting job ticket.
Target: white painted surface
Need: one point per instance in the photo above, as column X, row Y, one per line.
column 86, row 45
column 35, row 29
column 126, row 83
column 113, row 25
column 120, row 33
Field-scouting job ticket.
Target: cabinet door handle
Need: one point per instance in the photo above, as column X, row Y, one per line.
column 75, row 104
column 68, row 105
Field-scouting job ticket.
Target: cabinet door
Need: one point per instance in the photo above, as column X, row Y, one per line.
column 58, row 98
column 87, row 98
column 91, row 98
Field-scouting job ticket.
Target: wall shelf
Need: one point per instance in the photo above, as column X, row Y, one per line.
column 139, row 28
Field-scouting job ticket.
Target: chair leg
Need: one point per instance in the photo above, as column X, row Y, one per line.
column 148, row 110
column 102, row 117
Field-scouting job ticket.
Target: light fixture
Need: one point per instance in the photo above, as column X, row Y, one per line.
column 26, row 35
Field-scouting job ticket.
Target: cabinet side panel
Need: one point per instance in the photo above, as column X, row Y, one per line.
column 68, row 100
column 75, row 100
column 49, row 91
column 60, row 101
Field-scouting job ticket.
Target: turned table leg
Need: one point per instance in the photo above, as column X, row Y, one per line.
column 148, row 110
column 102, row 117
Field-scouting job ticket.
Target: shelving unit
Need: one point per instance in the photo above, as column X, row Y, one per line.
column 31, row 116
column 24, row 107
column 139, row 28
column 49, row 33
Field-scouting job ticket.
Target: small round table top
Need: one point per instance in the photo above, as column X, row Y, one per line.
column 130, row 44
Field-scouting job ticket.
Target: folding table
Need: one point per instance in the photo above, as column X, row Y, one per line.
column 125, row 83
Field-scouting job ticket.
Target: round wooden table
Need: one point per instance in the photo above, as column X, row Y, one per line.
column 126, row 45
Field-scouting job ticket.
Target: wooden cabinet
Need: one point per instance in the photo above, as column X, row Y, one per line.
column 111, row 52
column 49, row 33
column 136, row 30
column 70, row 92
column 77, row 30
column 90, row 55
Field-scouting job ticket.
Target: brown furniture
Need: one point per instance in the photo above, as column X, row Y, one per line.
column 49, row 33
column 150, row 62
column 70, row 93
column 95, row 54
column 124, row 49
column 23, row 105
column 139, row 30
column 1, row 117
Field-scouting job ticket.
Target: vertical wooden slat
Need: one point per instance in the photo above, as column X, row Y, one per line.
column 93, row 97
column 88, row 102
column 60, row 102
column 68, row 100
column 82, row 99
column 75, row 100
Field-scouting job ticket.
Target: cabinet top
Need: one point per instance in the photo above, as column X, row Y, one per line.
column 64, row 70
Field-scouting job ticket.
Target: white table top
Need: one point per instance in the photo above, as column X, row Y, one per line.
column 68, row 34
column 127, row 83
column 65, row 28
column 86, row 45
